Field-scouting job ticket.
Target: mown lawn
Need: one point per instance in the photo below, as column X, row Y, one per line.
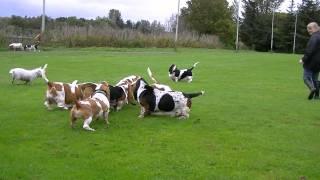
column 254, row 122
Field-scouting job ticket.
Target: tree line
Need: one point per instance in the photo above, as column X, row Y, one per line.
column 256, row 24
column 202, row 23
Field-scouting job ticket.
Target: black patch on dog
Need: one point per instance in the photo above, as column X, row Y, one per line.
column 166, row 103
column 150, row 99
column 115, row 92
column 171, row 68
column 176, row 73
column 186, row 73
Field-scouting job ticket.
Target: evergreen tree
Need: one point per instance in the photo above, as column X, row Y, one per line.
column 255, row 29
column 308, row 12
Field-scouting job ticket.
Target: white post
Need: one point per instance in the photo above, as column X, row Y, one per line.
column 43, row 16
column 272, row 30
column 295, row 33
column 177, row 25
column 237, row 38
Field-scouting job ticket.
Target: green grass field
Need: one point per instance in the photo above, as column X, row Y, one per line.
column 254, row 122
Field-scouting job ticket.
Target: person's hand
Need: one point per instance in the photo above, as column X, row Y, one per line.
column 300, row 61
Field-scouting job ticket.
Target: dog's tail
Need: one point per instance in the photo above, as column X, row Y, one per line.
column 192, row 95
column 194, row 65
column 151, row 76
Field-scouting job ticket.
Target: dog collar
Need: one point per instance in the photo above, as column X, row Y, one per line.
column 100, row 91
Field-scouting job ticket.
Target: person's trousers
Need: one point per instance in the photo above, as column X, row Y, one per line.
column 310, row 79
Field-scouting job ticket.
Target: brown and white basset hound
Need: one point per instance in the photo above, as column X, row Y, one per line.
column 64, row 95
column 92, row 108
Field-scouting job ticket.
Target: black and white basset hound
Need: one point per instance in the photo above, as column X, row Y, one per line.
column 184, row 74
column 157, row 102
column 31, row 47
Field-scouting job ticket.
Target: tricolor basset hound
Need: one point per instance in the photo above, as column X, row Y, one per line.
column 121, row 93
column 92, row 108
column 158, row 102
column 178, row 75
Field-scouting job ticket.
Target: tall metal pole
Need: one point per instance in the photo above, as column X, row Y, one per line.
column 43, row 16
column 237, row 38
column 177, row 25
column 272, row 29
column 295, row 33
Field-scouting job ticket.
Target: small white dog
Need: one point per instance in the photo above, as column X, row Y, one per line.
column 28, row 75
column 16, row 46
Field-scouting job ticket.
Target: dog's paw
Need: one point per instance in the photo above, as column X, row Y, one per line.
column 141, row 116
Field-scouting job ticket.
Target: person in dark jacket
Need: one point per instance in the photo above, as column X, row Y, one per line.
column 311, row 61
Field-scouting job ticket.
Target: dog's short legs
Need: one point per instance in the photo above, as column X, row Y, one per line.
column 120, row 105
column 86, row 124
column 106, row 118
column 176, row 79
column 72, row 121
column 48, row 105
column 184, row 114
column 189, row 79
column 142, row 112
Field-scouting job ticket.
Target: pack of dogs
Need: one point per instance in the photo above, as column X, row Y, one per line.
column 91, row 100
column 21, row 47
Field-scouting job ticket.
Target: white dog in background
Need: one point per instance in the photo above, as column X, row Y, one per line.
column 16, row 46
column 28, row 75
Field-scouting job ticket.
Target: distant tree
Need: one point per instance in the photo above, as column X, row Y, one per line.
column 286, row 29
column 210, row 17
column 17, row 21
column 308, row 11
column 115, row 18
column 143, row 26
column 255, row 29
column 171, row 23
column 129, row 24
column 156, row 27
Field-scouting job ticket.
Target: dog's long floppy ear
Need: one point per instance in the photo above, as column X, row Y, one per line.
column 131, row 94
column 172, row 68
column 148, row 88
column 50, row 85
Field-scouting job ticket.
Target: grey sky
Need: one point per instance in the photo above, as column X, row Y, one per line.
column 130, row 9
column 135, row 10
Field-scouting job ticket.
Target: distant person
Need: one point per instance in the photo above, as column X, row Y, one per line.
column 37, row 39
column 311, row 61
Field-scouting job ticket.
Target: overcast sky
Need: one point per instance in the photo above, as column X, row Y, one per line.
column 135, row 10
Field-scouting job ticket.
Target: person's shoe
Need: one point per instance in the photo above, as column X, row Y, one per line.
column 311, row 95
column 316, row 94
